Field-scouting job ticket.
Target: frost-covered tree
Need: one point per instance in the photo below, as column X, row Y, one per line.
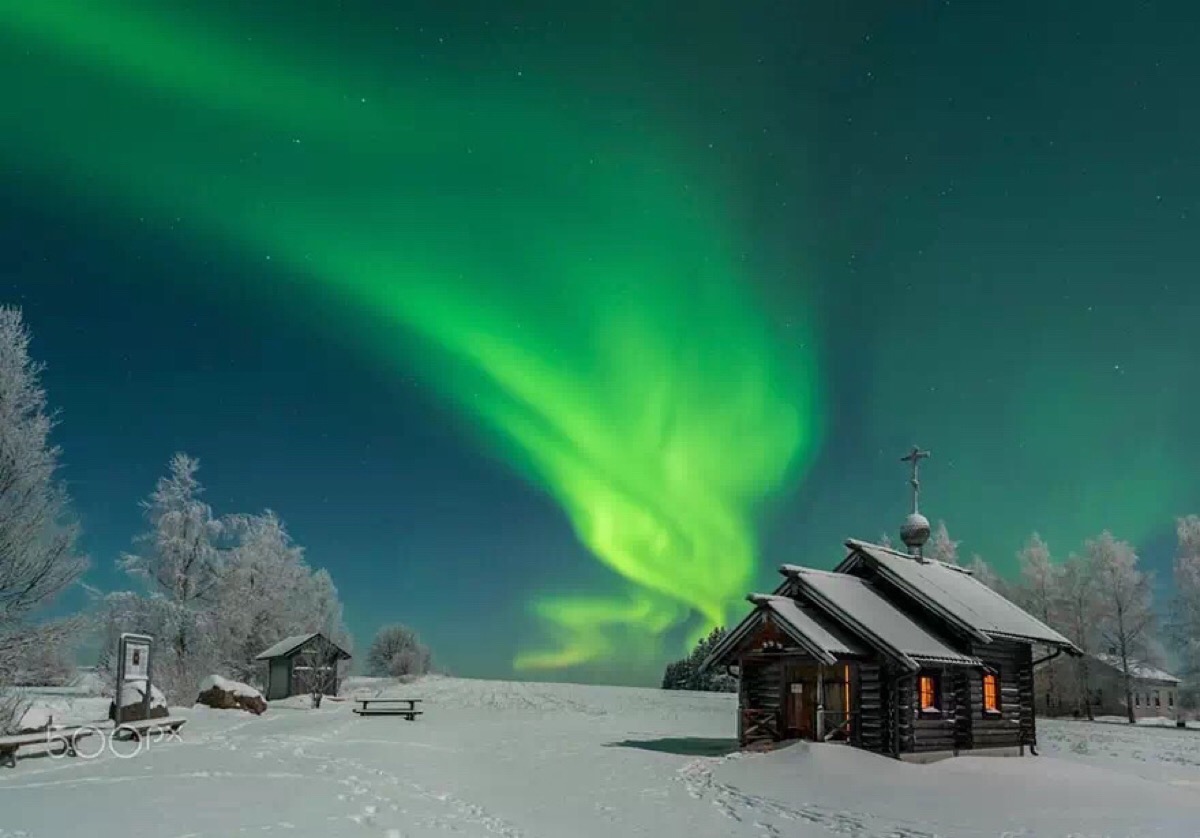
column 1039, row 591
column 181, row 560
column 885, row 540
column 397, row 651
column 1185, row 610
column 327, row 612
column 941, row 547
column 219, row 590
column 983, row 571
column 266, row 593
column 1126, row 622
column 1081, row 608
column 38, row 555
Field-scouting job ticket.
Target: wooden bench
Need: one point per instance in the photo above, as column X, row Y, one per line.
column 65, row 736
column 145, row 727
column 406, row 707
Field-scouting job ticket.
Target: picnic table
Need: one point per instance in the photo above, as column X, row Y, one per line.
column 406, row 707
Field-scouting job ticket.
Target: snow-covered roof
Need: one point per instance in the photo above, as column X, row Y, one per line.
column 812, row 624
column 289, row 645
column 955, row 595
column 1141, row 671
column 805, row 626
column 285, row 646
column 860, row 609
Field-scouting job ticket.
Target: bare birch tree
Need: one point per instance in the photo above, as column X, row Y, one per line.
column 319, row 663
column 1039, row 591
column 1126, row 610
column 38, row 556
column 1080, row 612
column 1185, row 609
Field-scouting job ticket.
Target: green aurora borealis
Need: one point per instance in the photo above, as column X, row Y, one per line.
column 550, row 316
column 710, row 360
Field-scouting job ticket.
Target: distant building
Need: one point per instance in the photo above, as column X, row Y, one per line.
column 295, row 663
column 1060, row 693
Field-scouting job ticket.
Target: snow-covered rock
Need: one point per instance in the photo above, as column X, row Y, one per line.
column 223, row 694
column 132, row 694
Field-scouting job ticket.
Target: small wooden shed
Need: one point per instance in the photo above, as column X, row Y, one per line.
column 294, row 663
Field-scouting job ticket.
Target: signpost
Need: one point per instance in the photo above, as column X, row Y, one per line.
column 133, row 667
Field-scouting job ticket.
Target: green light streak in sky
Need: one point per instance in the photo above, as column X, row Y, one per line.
column 572, row 287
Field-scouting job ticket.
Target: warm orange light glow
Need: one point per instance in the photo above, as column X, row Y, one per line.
column 846, row 696
column 928, row 699
column 991, row 695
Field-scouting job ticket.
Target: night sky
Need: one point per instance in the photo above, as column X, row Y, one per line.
column 552, row 331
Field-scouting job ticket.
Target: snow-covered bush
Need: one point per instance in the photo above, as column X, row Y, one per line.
column 397, row 651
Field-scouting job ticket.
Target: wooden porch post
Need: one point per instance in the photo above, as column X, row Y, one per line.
column 820, row 702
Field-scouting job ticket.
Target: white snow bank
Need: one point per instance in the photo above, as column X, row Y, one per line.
column 132, row 692
column 35, row 718
column 224, row 684
column 528, row 760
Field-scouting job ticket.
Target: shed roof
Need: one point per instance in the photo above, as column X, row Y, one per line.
column 290, row 645
column 861, row 609
column 954, row 594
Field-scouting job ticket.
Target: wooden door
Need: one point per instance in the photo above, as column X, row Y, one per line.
column 802, row 709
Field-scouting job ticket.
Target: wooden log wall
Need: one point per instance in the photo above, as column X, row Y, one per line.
column 936, row 731
column 905, row 700
column 1025, row 692
column 1005, row 729
column 873, row 712
column 761, row 697
column 963, row 716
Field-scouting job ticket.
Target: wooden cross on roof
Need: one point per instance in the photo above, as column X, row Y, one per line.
column 915, row 456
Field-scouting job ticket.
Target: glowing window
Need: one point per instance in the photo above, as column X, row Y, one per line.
column 991, row 694
column 927, row 688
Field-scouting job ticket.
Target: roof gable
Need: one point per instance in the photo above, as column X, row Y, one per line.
column 858, row 607
column 955, row 595
column 290, row 645
column 812, row 631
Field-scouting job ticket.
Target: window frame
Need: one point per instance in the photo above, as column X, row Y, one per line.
column 935, row 682
column 1157, row 699
column 998, row 709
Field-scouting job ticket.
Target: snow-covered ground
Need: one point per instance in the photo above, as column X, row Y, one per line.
column 522, row 760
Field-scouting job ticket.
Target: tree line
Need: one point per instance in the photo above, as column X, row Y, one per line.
column 214, row 590
column 1100, row 598
column 1103, row 600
